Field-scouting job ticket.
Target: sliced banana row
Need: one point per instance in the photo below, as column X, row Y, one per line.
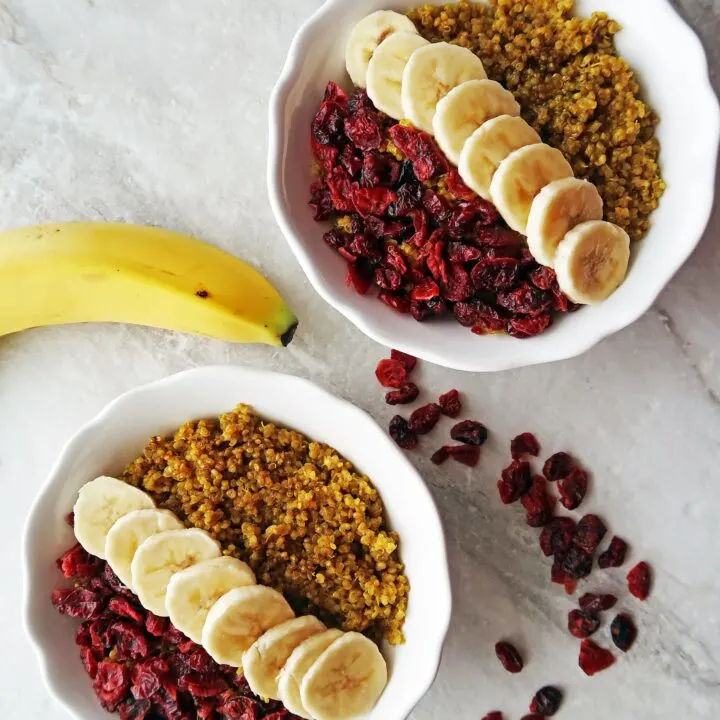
column 181, row 573
column 443, row 89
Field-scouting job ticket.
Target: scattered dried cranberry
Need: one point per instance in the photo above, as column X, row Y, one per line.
column 589, row 533
column 593, row 658
column 533, row 716
column 577, row 564
column 469, row 432
column 639, row 581
column 110, row 684
column 572, row 488
column 494, row 715
column 623, row 632
column 547, row 701
column 466, row 454
column 515, row 481
column 543, row 278
column 593, row 602
column 557, row 537
column 409, row 361
column 537, row 503
column 391, row 373
column 582, row 623
column 440, row 455
column 614, row 556
column 524, row 444
column 424, row 419
column 509, row 656
column 557, row 466
column 401, row 433
column 402, row 396
column 450, row 404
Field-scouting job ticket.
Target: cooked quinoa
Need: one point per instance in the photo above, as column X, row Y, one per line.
column 573, row 87
column 307, row 522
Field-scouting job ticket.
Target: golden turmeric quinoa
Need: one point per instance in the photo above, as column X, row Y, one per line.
column 296, row 511
column 573, row 87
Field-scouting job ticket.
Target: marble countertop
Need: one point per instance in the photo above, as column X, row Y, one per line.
column 155, row 112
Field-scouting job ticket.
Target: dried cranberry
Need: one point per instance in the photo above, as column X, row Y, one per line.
column 391, row 373
column 435, row 262
column 425, row 418
column 583, row 623
column 459, row 286
column 426, row 290
column 327, row 125
column 395, row 260
column 123, row 607
column 494, row 715
column 379, row 227
column 533, row 716
column 110, row 684
column 495, row 274
column 358, row 100
column 524, row 444
column 78, row 602
column 401, row 433
column 240, row 708
column 456, row 186
column 557, row 574
column 547, row 701
column 639, row 581
column 593, row 658
column 459, row 253
column 378, row 169
column 623, row 632
column 572, row 488
column 399, row 303
column 557, row 537
column 597, row 603
column 558, row 466
column 515, row 481
column 358, row 277
column 466, row 454
column 89, row 661
column 450, row 403
column 537, row 503
column 409, row 361
column 436, row 206
column 576, row 564
column 409, row 199
column 70, row 519
column 202, row 685
column 77, row 562
column 430, row 308
column 525, row 327
column 509, row 656
column 525, row 300
column 387, row 279
column 146, row 678
column 589, row 533
column 543, row 278
column 364, row 130
column 440, row 455
column 334, row 93
column 321, row 202
column 614, row 556
column 155, row 625
column 469, row 432
column 406, row 394
column 129, row 640
column 421, row 149
column 371, row 201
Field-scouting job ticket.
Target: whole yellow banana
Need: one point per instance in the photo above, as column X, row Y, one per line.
column 100, row 272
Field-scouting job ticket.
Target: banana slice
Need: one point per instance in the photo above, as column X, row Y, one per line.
column 385, row 71
column 592, row 260
column 430, row 74
column 302, row 659
column 126, row 535
column 557, row 208
column 466, row 108
column 263, row 661
column 239, row 618
column 346, row 680
column 100, row 503
column 159, row 557
column 367, row 35
column 193, row 591
column 521, row 176
column 488, row 146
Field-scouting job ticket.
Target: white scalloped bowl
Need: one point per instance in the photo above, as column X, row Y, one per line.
column 671, row 64
column 119, row 433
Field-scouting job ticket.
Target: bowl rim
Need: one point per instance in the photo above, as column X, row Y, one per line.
column 571, row 346
column 35, row 515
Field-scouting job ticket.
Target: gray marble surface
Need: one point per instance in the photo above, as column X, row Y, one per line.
column 155, row 112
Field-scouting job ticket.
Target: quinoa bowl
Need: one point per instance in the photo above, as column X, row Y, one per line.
column 682, row 188
column 117, row 440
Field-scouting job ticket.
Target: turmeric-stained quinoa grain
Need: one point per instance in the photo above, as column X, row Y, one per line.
column 298, row 513
column 573, row 88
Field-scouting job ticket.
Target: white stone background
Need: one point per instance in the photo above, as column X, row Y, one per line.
column 155, row 112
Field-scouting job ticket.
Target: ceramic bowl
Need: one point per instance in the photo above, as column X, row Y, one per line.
column 119, row 433
column 672, row 68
